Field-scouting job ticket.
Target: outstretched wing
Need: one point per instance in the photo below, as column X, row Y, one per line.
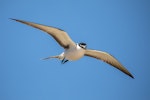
column 108, row 59
column 59, row 35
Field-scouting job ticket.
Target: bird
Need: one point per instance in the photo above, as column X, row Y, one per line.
column 75, row 51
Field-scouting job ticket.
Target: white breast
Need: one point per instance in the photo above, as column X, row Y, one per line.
column 74, row 53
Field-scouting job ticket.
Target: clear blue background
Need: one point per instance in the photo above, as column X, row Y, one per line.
column 120, row 27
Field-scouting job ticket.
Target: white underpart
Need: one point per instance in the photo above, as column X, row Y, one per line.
column 73, row 53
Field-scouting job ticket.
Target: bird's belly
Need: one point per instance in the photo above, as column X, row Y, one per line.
column 74, row 55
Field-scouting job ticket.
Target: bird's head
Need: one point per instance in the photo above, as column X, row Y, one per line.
column 83, row 45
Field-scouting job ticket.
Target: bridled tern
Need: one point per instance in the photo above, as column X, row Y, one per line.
column 74, row 51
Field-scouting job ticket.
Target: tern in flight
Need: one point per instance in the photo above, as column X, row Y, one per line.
column 75, row 51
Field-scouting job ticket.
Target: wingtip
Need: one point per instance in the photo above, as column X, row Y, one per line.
column 131, row 76
column 16, row 20
column 13, row 19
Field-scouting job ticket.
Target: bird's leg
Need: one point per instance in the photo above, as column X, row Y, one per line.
column 64, row 61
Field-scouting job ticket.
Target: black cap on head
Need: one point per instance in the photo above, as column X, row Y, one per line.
column 82, row 45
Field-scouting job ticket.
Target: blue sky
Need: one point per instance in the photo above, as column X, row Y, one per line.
column 120, row 27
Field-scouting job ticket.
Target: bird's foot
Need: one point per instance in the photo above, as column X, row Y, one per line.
column 64, row 61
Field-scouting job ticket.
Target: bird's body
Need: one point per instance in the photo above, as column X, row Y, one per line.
column 75, row 51
column 71, row 54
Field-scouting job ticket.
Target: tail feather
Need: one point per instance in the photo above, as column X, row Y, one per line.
column 51, row 57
